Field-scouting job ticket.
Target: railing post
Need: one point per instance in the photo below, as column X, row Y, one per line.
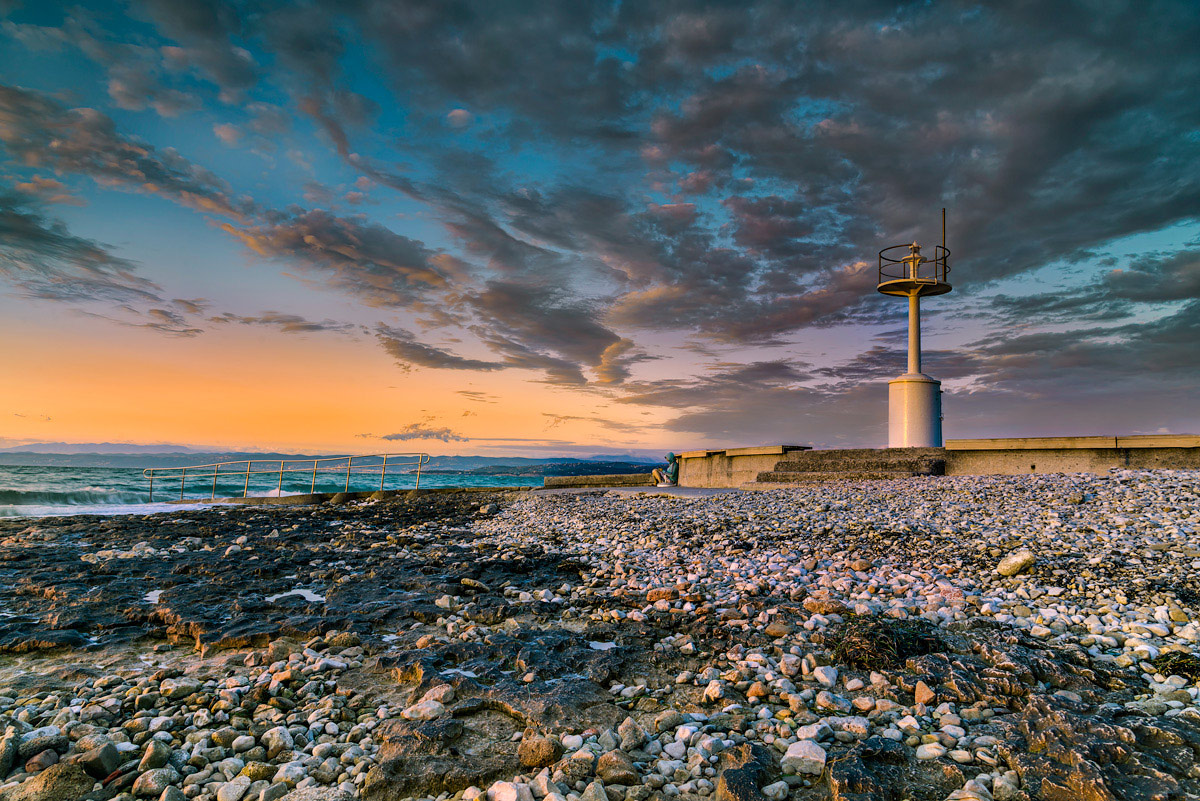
column 349, row 461
column 313, row 488
column 279, row 489
column 246, row 489
column 152, row 485
column 213, row 496
column 382, row 475
column 420, row 461
column 182, row 478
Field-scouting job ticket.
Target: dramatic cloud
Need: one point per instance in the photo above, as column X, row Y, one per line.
column 287, row 323
column 1158, row 278
column 43, row 260
column 402, row 346
column 38, row 132
column 364, row 259
column 420, row 431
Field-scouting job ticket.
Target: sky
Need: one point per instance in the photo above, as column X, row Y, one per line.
column 359, row 226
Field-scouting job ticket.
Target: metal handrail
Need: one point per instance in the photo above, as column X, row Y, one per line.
column 417, row 459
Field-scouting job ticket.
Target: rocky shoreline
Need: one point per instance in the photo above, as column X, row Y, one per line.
column 950, row 638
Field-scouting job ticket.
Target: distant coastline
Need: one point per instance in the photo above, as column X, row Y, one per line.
column 504, row 465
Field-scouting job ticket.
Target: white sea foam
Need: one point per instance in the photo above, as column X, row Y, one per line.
column 307, row 595
column 470, row 674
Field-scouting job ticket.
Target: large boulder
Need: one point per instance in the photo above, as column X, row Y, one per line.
column 61, row 782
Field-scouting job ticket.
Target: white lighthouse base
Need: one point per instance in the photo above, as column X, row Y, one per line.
column 914, row 412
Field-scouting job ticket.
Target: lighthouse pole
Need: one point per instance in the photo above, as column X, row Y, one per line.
column 914, row 334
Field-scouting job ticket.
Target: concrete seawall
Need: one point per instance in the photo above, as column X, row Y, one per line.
column 740, row 467
column 731, row 467
column 1034, row 455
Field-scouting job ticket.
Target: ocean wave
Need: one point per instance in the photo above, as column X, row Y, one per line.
column 84, row 497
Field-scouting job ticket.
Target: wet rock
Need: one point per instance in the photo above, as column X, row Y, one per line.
column 235, row 789
column 743, row 769
column 417, row 758
column 39, row 762
column 616, row 767
column 277, row 740
column 8, row 753
column 102, row 761
column 151, row 783
column 873, row 770
column 538, row 752
column 594, row 792
column 1061, row 748
column 179, row 687
column 632, row 734
column 317, row 794
column 155, row 756
column 668, row 720
column 61, row 782
column 35, row 743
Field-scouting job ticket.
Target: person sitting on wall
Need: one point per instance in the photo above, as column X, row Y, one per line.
column 670, row 476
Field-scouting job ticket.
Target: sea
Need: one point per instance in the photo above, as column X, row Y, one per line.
column 53, row 491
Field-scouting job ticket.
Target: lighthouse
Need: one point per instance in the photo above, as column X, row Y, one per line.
column 914, row 399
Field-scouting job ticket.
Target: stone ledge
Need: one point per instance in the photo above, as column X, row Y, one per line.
column 1062, row 443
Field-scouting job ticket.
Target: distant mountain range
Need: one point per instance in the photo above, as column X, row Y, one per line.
column 557, row 468
column 124, row 455
column 97, row 447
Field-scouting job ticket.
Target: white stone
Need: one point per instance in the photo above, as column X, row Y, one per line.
column 930, row 751
column 804, row 756
column 425, row 710
column 1016, row 562
column 503, row 791
column 234, row 790
column 826, row 675
column 815, row 731
column 777, row 791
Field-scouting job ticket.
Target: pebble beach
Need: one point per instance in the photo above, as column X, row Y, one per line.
column 957, row 638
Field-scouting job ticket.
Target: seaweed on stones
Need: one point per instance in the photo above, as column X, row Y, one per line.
column 874, row 643
column 1178, row 664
